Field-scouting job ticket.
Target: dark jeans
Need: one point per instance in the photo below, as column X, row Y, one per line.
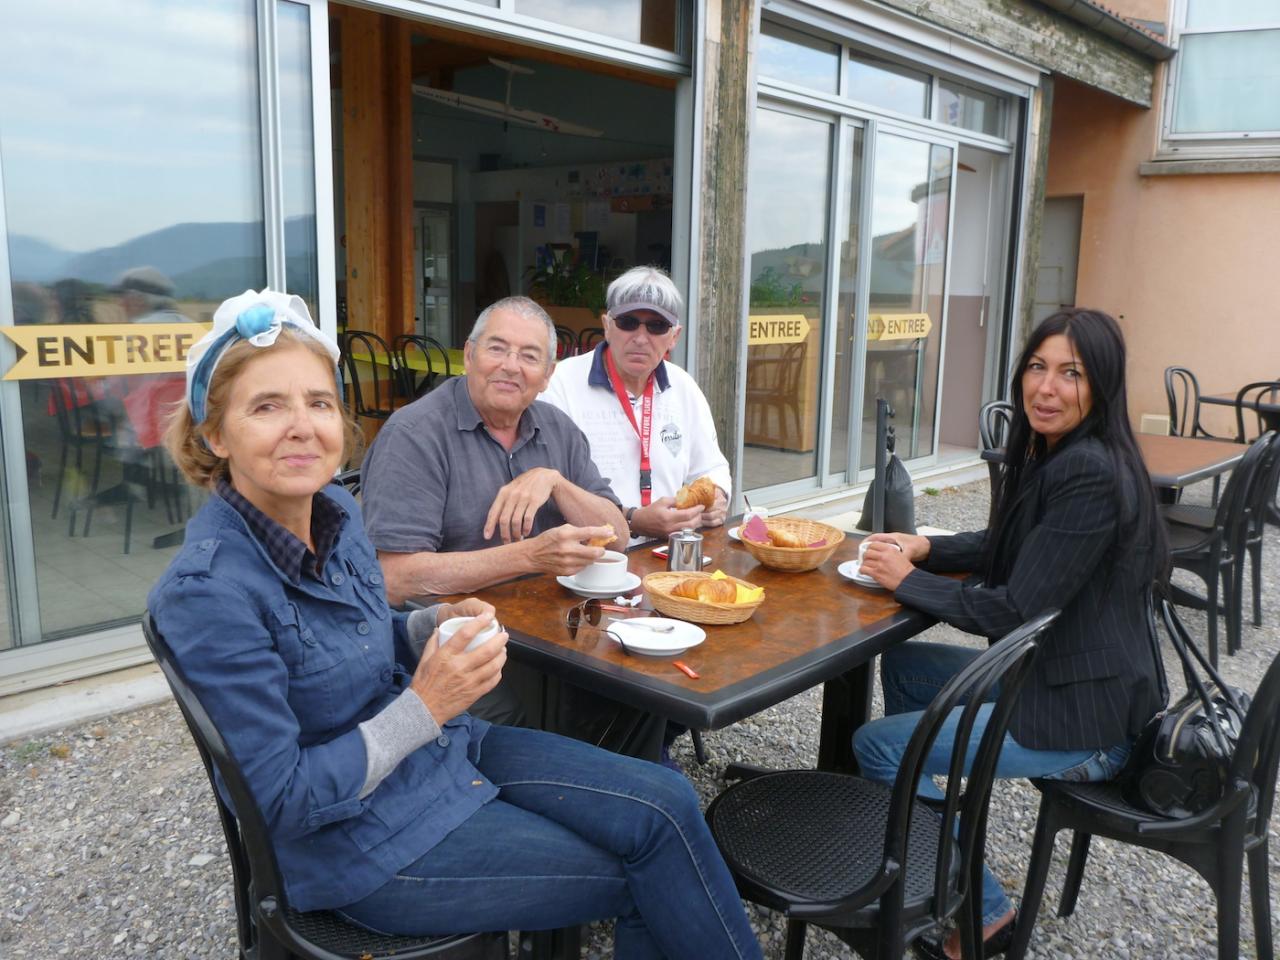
column 576, row 834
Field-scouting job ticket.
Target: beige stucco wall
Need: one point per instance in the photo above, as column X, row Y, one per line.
column 1189, row 264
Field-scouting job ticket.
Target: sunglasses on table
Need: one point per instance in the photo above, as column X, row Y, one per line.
column 596, row 613
column 629, row 323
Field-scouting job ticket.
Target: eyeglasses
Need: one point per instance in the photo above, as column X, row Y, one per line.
column 594, row 613
column 657, row 326
column 498, row 352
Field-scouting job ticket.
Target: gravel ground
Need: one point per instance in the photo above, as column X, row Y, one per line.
column 111, row 846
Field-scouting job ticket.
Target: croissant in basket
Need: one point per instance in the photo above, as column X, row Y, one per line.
column 785, row 538
column 706, row 590
column 701, row 491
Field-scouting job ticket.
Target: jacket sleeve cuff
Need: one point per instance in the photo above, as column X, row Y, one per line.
column 391, row 735
column 419, row 627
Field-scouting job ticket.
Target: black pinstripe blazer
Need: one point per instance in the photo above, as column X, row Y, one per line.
column 1095, row 682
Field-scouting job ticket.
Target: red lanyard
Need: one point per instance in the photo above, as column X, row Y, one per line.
column 642, row 429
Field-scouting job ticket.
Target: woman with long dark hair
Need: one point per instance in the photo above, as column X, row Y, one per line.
column 1073, row 526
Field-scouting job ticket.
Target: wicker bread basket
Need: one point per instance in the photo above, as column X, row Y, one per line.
column 659, row 585
column 796, row 559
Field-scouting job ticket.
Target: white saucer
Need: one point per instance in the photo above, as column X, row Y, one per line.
column 640, row 639
column 629, row 583
column 849, row 570
column 735, row 533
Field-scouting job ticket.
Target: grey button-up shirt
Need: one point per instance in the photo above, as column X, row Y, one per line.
column 431, row 476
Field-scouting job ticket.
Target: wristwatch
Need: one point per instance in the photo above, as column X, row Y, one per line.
column 630, row 512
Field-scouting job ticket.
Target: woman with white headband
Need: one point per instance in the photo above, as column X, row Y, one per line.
column 385, row 800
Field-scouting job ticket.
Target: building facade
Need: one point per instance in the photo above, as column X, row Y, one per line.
column 849, row 192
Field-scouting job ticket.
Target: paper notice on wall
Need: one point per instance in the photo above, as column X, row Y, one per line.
column 598, row 215
column 562, row 221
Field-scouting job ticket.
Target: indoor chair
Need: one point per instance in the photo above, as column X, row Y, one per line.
column 869, row 861
column 268, row 928
column 1214, row 842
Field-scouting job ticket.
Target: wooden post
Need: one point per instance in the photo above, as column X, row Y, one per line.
column 377, row 152
column 726, row 120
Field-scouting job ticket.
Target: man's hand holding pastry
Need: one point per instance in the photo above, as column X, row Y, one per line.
column 565, row 550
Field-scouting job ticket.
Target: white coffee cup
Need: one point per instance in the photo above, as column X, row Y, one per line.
column 866, row 542
column 761, row 512
column 454, row 624
column 607, row 573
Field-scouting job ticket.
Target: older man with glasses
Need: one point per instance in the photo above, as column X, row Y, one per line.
column 649, row 425
column 477, row 482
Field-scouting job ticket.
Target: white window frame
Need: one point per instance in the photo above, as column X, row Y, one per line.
column 1207, row 146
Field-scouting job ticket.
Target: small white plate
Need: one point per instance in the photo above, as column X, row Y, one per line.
column 651, row 643
column 849, row 570
column 631, row 581
column 735, row 533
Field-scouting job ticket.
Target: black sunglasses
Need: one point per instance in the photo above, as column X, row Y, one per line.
column 592, row 613
column 657, row 326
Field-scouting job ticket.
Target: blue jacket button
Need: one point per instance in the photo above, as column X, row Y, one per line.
column 443, row 740
column 336, row 579
column 362, row 627
column 375, row 578
column 386, row 674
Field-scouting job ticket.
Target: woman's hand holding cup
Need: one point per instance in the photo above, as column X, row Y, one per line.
column 882, row 557
column 450, row 678
column 914, row 547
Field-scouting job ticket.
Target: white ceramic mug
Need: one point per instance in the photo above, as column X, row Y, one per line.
column 453, row 624
column 607, row 573
column 866, row 542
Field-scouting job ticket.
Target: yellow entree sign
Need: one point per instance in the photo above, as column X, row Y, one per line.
column 898, row 326
column 101, row 349
column 783, row 328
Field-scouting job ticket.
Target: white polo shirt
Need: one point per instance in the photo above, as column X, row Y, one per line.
column 683, row 444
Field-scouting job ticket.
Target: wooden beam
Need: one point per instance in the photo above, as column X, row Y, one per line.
column 721, row 276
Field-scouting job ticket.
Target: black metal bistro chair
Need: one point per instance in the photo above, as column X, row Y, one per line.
column 1214, row 843
column 866, row 860
column 1182, row 391
column 1214, row 549
column 566, row 343
column 994, row 418
column 1265, row 391
column 372, row 396
column 588, row 339
column 268, row 928
column 413, row 382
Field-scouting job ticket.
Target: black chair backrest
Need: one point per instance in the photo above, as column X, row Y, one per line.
column 994, row 418
column 589, row 338
column 1182, row 391
column 253, row 861
column 372, row 397
column 1006, row 663
column 1233, row 508
column 1260, row 391
column 435, row 355
column 79, row 417
column 350, row 480
column 566, row 342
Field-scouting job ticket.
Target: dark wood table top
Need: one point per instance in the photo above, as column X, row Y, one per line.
column 1178, row 461
column 810, row 628
column 1174, row 461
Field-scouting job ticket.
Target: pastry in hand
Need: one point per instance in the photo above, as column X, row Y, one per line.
column 706, row 590
column 701, row 491
column 602, row 541
column 783, row 538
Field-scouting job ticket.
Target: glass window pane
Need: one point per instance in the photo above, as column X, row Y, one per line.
column 787, row 239
column 1229, row 83
column 977, row 110
column 129, row 136
column 795, row 57
column 298, row 155
column 911, row 195
column 845, row 306
column 1229, row 14
column 887, row 85
column 651, row 22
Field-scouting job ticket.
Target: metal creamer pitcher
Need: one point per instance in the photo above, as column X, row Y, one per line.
column 684, row 550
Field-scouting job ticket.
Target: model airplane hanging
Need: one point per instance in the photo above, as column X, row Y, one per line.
column 503, row 110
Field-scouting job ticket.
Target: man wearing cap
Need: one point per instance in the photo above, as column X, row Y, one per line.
column 649, row 425
column 146, row 296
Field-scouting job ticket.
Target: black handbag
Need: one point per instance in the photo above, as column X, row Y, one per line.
column 1181, row 760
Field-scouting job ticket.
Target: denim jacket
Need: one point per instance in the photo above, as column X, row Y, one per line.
column 287, row 672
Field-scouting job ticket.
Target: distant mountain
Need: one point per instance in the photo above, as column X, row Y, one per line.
column 35, row 261
column 204, row 260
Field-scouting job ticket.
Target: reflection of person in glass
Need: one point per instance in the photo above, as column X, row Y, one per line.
column 1073, row 527
column 385, row 799
column 146, row 296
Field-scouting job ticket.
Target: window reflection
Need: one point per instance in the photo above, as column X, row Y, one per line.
column 651, row 22
column 129, row 137
column 887, row 85
column 787, row 238
column 795, row 57
column 293, row 42
column 964, row 106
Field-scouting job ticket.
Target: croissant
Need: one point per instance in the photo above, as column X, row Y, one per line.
column 706, row 590
column 783, row 538
column 602, row 541
column 701, row 491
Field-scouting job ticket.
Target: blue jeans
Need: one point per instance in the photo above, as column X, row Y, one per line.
column 911, row 675
column 576, row 834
